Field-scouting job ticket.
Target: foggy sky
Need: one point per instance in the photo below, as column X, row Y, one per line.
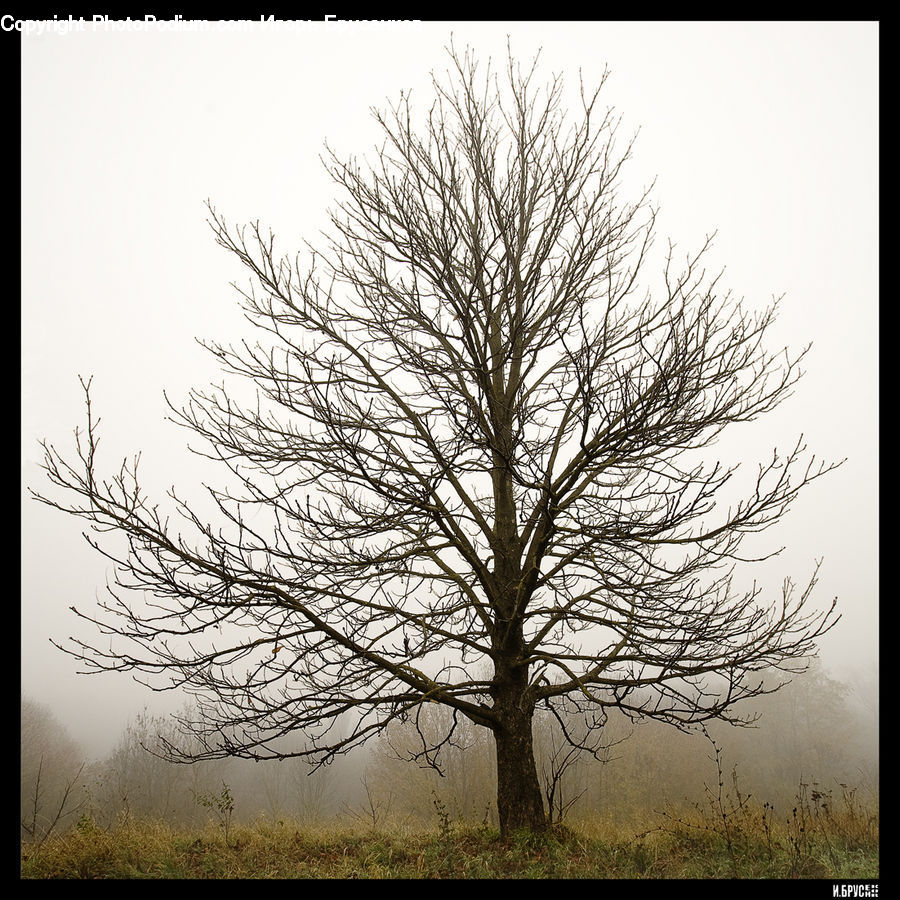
column 765, row 132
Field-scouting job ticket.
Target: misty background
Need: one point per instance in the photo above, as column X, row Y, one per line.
column 764, row 132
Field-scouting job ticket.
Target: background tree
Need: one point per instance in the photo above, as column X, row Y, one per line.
column 811, row 731
column 474, row 449
column 51, row 770
column 431, row 776
column 136, row 779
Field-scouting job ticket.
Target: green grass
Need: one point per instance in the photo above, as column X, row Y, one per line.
column 812, row 841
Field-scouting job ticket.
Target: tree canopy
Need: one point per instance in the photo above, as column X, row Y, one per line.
column 476, row 468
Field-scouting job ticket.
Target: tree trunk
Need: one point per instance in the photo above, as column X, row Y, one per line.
column 520, row 804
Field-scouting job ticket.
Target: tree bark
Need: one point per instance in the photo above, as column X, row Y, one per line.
column 520, row 804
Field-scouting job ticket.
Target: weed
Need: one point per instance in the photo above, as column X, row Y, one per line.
column 819, row 838
column 222, row 804
column 440, row 808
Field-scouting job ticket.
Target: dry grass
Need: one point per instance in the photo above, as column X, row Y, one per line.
column 819, row 838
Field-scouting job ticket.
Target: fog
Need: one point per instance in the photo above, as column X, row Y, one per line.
column 765, row 132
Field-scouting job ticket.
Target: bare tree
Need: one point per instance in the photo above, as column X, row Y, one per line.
column 38, row 825
column 51, row 768
column 474, row 448
column 566, row 736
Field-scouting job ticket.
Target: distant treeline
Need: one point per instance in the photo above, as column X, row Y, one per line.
column 818, row 732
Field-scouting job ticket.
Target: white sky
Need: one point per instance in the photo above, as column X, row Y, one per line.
column 767, row 132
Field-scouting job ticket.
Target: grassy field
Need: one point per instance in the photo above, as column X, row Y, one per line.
column 813, row 841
